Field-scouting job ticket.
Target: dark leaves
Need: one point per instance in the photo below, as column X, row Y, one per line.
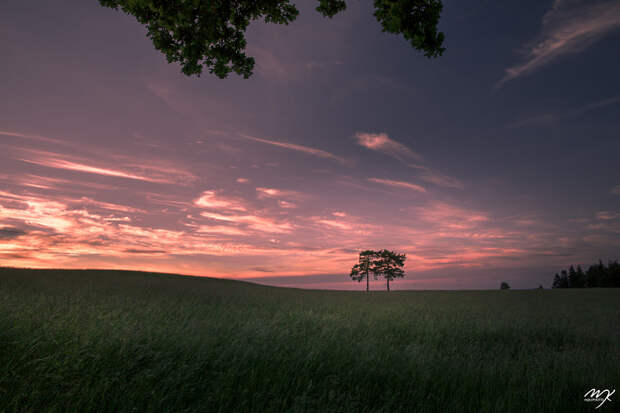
column 211, row 33
column 416, row 20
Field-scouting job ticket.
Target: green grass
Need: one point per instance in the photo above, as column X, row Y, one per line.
column 113, row 341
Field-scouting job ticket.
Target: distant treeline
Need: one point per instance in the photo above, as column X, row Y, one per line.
column 596, row 276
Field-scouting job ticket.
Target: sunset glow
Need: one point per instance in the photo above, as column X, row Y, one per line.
column 281, row 182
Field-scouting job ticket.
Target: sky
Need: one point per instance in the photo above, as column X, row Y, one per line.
column 496, row 162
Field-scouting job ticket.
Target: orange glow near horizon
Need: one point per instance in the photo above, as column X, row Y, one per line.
column 56, row 210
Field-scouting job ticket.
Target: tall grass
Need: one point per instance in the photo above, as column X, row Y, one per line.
column 117, row 341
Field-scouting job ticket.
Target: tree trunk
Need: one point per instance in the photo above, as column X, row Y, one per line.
column 388, row 284
column 367, row 281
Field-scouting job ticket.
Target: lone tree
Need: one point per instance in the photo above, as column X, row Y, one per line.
column 390, row 265
column 504, row 286
column 367, row 264
column 211, row 33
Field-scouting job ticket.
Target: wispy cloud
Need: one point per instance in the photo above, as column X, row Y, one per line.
column 594, row 106
column 447, row 216
column 279, row 194
column 80, row 167
column 32, row 136
column 255, row 222
column 286, row 204
column 398, row 184
column 211, row 199
column 554, row 117
column 381, row 142
column 437, row 178
column 569, row 27
column 105, row 164
column 300, row 148
column 335, row 224
column 221, row 230
column 276, row 193
column 607, row 215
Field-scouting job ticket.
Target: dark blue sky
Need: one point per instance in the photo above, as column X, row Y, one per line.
column 497, row 160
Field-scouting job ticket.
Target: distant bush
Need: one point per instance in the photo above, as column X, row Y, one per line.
column 504, row 286
column 596, row 276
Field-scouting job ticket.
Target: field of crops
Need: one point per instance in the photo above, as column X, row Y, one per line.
column 115, row 341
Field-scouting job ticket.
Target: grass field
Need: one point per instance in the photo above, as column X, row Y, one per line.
column 114, row 341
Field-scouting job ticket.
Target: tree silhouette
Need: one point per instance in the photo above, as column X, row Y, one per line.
column 211, row 33
column 366, row 265
column 596, row 276
column 504, row 286
column 572, row 277
column 580, row 278
column 390, row 266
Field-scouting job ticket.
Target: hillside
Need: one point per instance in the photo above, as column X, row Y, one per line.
column 94, row 340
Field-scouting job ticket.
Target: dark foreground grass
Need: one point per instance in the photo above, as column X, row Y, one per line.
column 114, row 341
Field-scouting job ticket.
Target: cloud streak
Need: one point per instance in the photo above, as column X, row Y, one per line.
column 437, row 178
column 32, row 136
column 299, row 148
column 125, row 167
column 398, row 184
column 569, row 27
column 210, row 199
column 79, row 167
column 553, row 117
column 381, row 142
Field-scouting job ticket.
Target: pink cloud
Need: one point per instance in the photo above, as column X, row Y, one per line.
column 335, row 224
column 398, row 184
column 258, row 223
column 607, row 215
column 286, row 204
column 269, row 192
column 434, row 177
column 569, row 27
column 107, row 205
column 220, row 229
column 210, row 199
column 449, row 216
column 381, row 142
column 145, row 170
column 73, row 166
column 299, row 148
column 32, row 136
column 46, row 182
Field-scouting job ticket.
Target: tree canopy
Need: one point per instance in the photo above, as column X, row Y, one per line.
column 367, row 264
column 390, row 265
column 596, row 276
column 211, row 33
column 383, row 263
